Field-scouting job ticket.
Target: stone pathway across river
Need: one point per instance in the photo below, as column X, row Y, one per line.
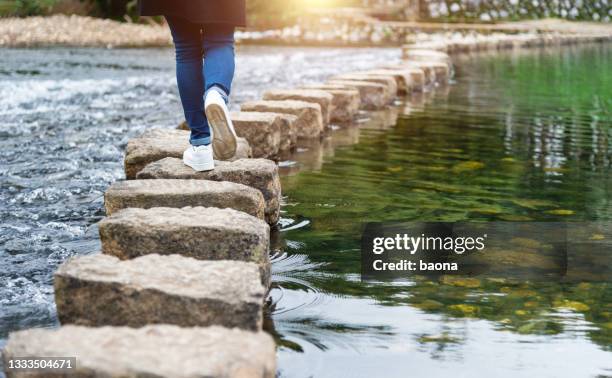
column 180, row 286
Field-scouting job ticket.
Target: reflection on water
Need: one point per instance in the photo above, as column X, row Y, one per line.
column 522, row 137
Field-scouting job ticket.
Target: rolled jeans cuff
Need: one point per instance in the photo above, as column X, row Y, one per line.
column 199, row 141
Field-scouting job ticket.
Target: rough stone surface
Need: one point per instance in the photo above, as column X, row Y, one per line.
column 415, row 54
column 157, row 144
column 435, row 71
column 417, row 75
column 204, row 233
column 403, row 78
column 345, row 102
column 289, row 133
column 442, row 71
column 310, row 119
column 261, row 174
column 100, row 290
column 429, row 74
column 373, row 95
column 388, row 81
column 288, row 138
column 145, row 194
column 261, row 130
column 324, row 99
column 151, row 351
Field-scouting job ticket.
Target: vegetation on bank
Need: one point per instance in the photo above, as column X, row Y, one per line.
column 278, row 13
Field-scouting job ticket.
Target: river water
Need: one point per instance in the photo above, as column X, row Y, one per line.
column 517, row 137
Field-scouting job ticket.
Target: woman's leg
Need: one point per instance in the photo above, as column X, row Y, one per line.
column 219, row 65
column 189, row 76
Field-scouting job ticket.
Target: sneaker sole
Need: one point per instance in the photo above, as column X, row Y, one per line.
column 224, row 141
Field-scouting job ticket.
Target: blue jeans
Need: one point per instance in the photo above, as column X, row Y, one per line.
column 204, row 60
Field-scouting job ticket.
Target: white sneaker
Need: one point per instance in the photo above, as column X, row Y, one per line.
column 199, row 158
column 224, row 137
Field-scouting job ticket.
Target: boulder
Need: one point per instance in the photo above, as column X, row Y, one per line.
column 324, row 99
column 260, row 174
column 261, row 130
column 145, row 194
column 101, row 290
column 157, row 144
column 345, row 102
column 151, row 351
column 373, row 95
column 204, row 233
column 310, row 119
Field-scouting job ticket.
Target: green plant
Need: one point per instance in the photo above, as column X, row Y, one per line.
column 25, row 7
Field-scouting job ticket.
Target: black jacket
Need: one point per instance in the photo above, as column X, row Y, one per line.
column 199, row 11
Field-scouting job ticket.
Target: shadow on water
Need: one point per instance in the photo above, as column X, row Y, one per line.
column 520, row 137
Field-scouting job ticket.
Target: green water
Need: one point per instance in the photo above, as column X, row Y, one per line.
column 517, row 137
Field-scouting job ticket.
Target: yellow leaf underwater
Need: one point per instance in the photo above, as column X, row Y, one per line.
column 461, row 282
column 572, row 305
column 464, row 309
column 532, row 203
column 429, row 304
column 468, row 166
column 560, row 212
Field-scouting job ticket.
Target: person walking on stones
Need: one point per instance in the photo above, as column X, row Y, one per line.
column 203, row 35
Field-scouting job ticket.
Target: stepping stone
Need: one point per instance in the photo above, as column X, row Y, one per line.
column 310, row 118
column 100, row 290
column 436, row 71
column 145, row 194
column 373, row 95
column 429, row 74
column 345, row 102
column 388, row 81
column 261, row 130
column 416, row 54
column 260, row 174
column 204, row 233
column 289, row 134
column 402, row 79
column 157, row 144
column 418, row 77
column 324, row 99
column 430, row 45
column 151, row 351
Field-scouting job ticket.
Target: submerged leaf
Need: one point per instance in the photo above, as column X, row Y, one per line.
column 561, row 212
column 573, row 305
column 468, row 166
column 464, row 310
column 532, row 203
